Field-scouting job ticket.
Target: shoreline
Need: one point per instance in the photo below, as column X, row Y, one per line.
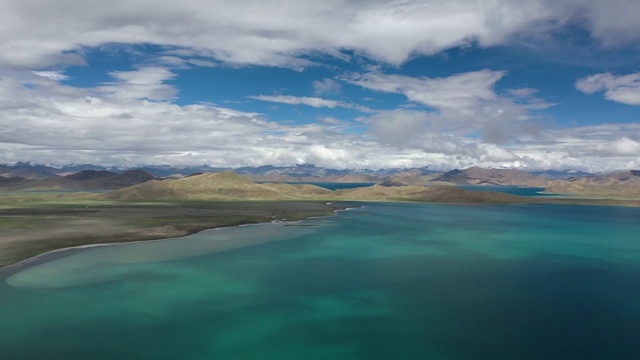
column 35, row 258
column 201, row 228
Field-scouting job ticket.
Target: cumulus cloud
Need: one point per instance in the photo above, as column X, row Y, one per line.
column 400, row 128
column 620, row 88
column 143, row 83
column 46, row 121
column 625, row 147
column 281, row 33
column 462, row 91
column 465, row 104
column 55, row 123
column 456, row 121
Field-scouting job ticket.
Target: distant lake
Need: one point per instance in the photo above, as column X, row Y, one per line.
column 329, row 185
column 385, row 281
column 513, row 190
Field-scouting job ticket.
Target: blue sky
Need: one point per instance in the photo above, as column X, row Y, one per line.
column 342, row 84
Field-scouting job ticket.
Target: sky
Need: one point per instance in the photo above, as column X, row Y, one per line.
column 527, row 84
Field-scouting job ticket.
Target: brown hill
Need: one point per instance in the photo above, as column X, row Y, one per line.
column 480, row 176
column 128, row 178
column 91, row 175
column 27, row 173
column 626, row 191
column 407, row 178
column 227, row 186
column 624, row 184
column 620, row 177
column 444, row 194
column 214, row 186
column 84, row 180
column 13, row 181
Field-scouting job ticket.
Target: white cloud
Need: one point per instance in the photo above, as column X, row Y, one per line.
column 52, row 75
column 143, row 83
column 465, row 104
column 626, row 146
column 278, row 33
column 309, row 101
column 399, row 128
column 620, row 88
column 462, row 91
column 326, row 87
column 45, row 121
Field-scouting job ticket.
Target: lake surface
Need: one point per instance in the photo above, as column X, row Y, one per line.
column 330, row 185
column 513, row 190
column 386, row 281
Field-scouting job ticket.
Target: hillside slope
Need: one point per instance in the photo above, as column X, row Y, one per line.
column 215, row 186
column 227, row 186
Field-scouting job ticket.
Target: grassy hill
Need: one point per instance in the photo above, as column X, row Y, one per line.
column 215, row 186
column 227, row 186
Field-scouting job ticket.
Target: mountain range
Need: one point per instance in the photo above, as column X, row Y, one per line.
column 226, row 186
column 83, row 180
column 23, row 176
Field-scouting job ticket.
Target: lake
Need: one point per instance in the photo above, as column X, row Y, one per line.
column 384, row 281
column 507, row 189
column 328, row 185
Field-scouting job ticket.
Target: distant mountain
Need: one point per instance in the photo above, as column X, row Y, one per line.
column 559, row 174
column 480, row 176
column 130, row 177
column 629, row 176
column 83, row 180
column 409, row 178
column 91, row 175
column 28, row 172
column 214, row 186
column 13, row 181
column 227, row 186
column 622, row 184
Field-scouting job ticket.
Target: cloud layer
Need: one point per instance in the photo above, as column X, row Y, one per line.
column 279, row 33
column 120, row 123
column 446, row 122
column 465, row 104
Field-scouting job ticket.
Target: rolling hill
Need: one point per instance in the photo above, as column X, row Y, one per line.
column 215, row 186
column 227, row 186
column 83, row 180
column 623, row 184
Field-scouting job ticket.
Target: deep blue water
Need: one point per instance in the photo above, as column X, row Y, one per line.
column 386, row 281
column 334, row 185
column 513, row 190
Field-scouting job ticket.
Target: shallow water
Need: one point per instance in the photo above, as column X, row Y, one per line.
column 384, row 281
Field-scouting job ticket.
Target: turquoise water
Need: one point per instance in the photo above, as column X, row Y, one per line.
column 387, row 281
